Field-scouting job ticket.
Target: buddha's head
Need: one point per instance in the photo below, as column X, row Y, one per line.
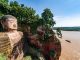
column 9, row 22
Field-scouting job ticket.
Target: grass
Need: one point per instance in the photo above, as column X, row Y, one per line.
column 2, row 56
column 27, row 58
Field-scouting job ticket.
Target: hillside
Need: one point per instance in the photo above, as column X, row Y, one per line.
column 68, row 28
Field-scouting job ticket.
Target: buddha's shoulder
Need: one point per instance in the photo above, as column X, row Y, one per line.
column 3, row 36
column 5, row 45
column 21, row 33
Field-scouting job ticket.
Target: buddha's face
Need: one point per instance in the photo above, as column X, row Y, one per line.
column 10, row 23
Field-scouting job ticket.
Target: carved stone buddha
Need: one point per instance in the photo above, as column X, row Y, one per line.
column 11, row 39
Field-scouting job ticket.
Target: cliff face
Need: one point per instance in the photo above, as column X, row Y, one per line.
column 12, row 48
column 52, row 48
column 5, row 46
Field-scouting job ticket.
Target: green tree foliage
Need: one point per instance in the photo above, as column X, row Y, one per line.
column 4, row 7
column 47, row 17
column 48, row 22
column 26, row 15
column 4, row 1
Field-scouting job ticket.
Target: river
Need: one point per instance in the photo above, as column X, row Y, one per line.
column 70, row 51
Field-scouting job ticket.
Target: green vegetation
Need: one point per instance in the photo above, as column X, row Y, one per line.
column 2, row 57
column 26, row 15
column 47, row 17
column 27, row 58
column 48, row 21
column 58, row 31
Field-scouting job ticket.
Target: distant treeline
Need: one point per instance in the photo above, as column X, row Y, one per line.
column 68, row 28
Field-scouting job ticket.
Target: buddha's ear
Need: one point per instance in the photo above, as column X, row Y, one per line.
column 1, row 22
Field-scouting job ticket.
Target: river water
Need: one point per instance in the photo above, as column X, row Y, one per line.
column 70, row 51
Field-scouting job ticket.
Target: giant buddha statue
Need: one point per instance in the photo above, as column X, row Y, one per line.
column 10, row 38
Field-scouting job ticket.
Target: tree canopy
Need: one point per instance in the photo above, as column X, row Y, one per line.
column 47, row 17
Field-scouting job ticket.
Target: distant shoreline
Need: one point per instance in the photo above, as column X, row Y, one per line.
column 68, row 28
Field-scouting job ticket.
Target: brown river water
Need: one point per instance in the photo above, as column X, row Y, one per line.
column 70, row 51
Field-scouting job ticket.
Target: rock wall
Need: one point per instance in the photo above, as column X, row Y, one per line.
column 5, row 46
column 12, row 53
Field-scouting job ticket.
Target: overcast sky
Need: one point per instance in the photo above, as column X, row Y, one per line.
column 66, row 12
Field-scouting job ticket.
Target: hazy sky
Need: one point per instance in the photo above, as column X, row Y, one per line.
column 66, row 12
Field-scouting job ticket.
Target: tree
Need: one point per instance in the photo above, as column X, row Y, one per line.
column 47, row 17
column 25, row 15
column 3, row 7
column 4, row 1
column 48, row 22
column 14, row 3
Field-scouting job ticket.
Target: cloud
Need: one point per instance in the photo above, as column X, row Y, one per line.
column 62, row 21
